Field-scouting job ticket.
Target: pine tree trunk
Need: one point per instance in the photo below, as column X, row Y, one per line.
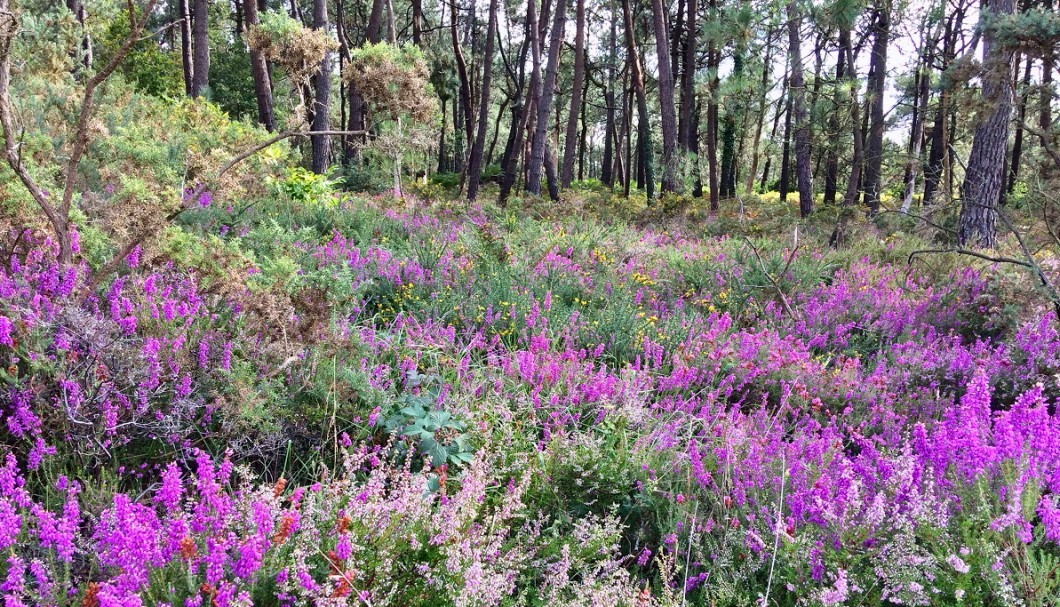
column 917, row 137
column 645, row 171
column 713, row 59
column 570, row 141
column 467, row 114
column 800, row 119
column 521, row 111
column 259, row 70
column 321, row 95
column 544, row 105
column 666, row 98
column 186, row 59
column 984, row 176
column 875, row 90
column 831, row 171
column 1017, row 141
column 201, row 44
column 477, row 151
column 688, row 80
column 610, row 135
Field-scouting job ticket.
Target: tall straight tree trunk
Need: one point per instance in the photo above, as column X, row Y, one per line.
column 570, row 141
column 666, row 98
column 688, row 80
column 610, row 136
column 917, row 137
column 259, row 70
column 850, row 198
column 443, row 166
column 417, row 22
column 645, row 170
column 728, row 135
column 544, row 105
column 984, row 176
column 831, row 171
column 713, row 59
column 186, row 60
column 1017, row 141
column 785, row 155
column 1045, row 99
column 477, row 151
column 467, row 115
column 321, row 95
column 938, row 167
column 201, row 41
column 800, row 119
column 521, row 109
column 877, row 82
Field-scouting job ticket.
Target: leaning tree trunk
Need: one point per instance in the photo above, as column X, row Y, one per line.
column 800, row 119
column 201, row 43
column 259, row 70
column 479, row 148
column 666, row 98
column 321, row 95
column 544, row 104
column 984, row 175
column 570, row 141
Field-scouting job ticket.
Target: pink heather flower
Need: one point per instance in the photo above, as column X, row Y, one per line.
column 133, row 258
column 958, row 564
column 6, row 328
column 839, row 591
column 644, row 557
column 373, row 417
column 344, row 549
column 172, row 489
column 1050, row 515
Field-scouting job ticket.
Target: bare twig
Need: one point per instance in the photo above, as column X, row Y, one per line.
column 773, row 281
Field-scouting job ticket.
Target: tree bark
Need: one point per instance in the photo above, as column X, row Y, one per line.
column 800, row 119
column 538, row 157
column 186, row 60
column 1017, row 141
column 321, row 144
column 478, row 150
column 875, row 90
column 984, row 176
column 201, row 41
column 467, row 114
column 522, row 105
column 668, row 114
column 259, row 70
column 646, row 173
column 570, row 140
column 688, row 79
column 610, row 128
column 917, row 136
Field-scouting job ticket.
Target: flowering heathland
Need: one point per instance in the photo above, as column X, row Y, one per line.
column 325, row 402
